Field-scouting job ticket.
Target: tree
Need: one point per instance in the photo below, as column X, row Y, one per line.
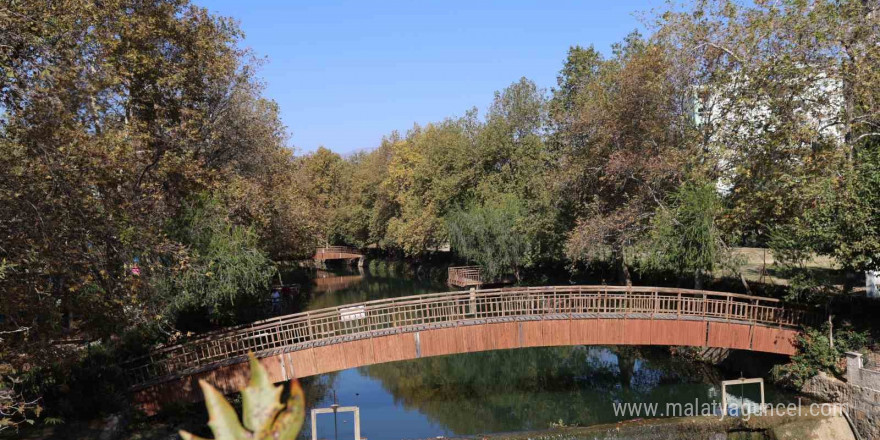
column 262, row 186
column 363, row 218
column 683, row 236
column 328, row 179
column 624, row 133
column 429, row 172
column 117, row 116
column 221, row 267
column 491, row 235
column 98, row 149
column 788, row 102
column 516, row 162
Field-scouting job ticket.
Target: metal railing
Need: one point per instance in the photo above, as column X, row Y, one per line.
column 465, row 276
column 412, row 313
column 337, row 250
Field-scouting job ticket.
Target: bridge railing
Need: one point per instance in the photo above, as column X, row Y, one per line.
column 302, row 330
column 463, row 276
column 337, row 250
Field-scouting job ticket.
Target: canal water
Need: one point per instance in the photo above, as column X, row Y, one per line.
column 496, row 391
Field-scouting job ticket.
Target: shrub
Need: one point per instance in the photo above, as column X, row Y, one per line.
column 815, row 354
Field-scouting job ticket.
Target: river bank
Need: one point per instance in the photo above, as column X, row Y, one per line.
column 523, row 390
column 756, row 428
column 681, row 428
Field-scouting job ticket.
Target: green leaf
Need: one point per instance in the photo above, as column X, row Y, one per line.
column 221, row 416
column 261, row 400
column 290, row 421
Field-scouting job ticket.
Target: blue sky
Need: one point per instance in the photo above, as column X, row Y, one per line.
column 345, row 73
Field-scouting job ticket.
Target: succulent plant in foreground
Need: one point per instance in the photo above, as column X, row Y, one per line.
column 264, row 416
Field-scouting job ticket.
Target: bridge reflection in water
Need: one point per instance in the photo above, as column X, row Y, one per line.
column 387, row 330
column 329, row 282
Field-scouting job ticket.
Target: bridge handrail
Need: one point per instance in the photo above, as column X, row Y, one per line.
column 337, row 249
column 403, row 300
column 465, row 275
column 402, row 312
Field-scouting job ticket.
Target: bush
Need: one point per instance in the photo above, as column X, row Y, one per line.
column 816, row 354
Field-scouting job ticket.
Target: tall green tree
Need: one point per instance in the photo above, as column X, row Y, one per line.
column 516, row 162
column 492, row 235
column 328, row 179
column 430, row 171
column 684, row 237
column 222, row 267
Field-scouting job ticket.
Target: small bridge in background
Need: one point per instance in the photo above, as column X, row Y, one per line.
column 465, row 276
column 472, row 276
column 337, row 253
column 353, row 335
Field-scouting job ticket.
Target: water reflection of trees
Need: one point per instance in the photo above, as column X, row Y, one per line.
column 318, row 388
column 380, row 279
column 530, row 388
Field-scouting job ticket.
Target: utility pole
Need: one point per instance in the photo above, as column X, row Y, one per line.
column 335, row 407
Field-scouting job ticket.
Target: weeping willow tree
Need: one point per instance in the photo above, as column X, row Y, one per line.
column 684, row 238
column 490, row 235
column 221, row 267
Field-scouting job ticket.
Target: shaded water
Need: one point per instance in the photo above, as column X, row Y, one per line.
column 497, row 391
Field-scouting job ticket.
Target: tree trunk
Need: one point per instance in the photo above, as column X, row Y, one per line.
column 625, row 276
column 831, row 330
column 745, row 283
column 626, row 363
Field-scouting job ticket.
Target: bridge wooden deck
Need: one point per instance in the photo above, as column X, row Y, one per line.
column 353, row 335
column 337, row 253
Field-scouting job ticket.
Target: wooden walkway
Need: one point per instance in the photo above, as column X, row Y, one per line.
column 337, row 253
column 348, row 336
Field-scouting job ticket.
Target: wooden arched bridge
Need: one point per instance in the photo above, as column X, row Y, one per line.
column 337, row 253
column 387, row 330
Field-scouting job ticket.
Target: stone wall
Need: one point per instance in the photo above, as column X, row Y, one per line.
column 857, row 374
column 827, row 388
column 864, row 399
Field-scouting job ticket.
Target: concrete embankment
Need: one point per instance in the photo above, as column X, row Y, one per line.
column 700, row 428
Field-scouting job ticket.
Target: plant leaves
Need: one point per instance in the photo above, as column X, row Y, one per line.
column 261, row 400
column 290, row 421
column 187, row 436
column 221, row 416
